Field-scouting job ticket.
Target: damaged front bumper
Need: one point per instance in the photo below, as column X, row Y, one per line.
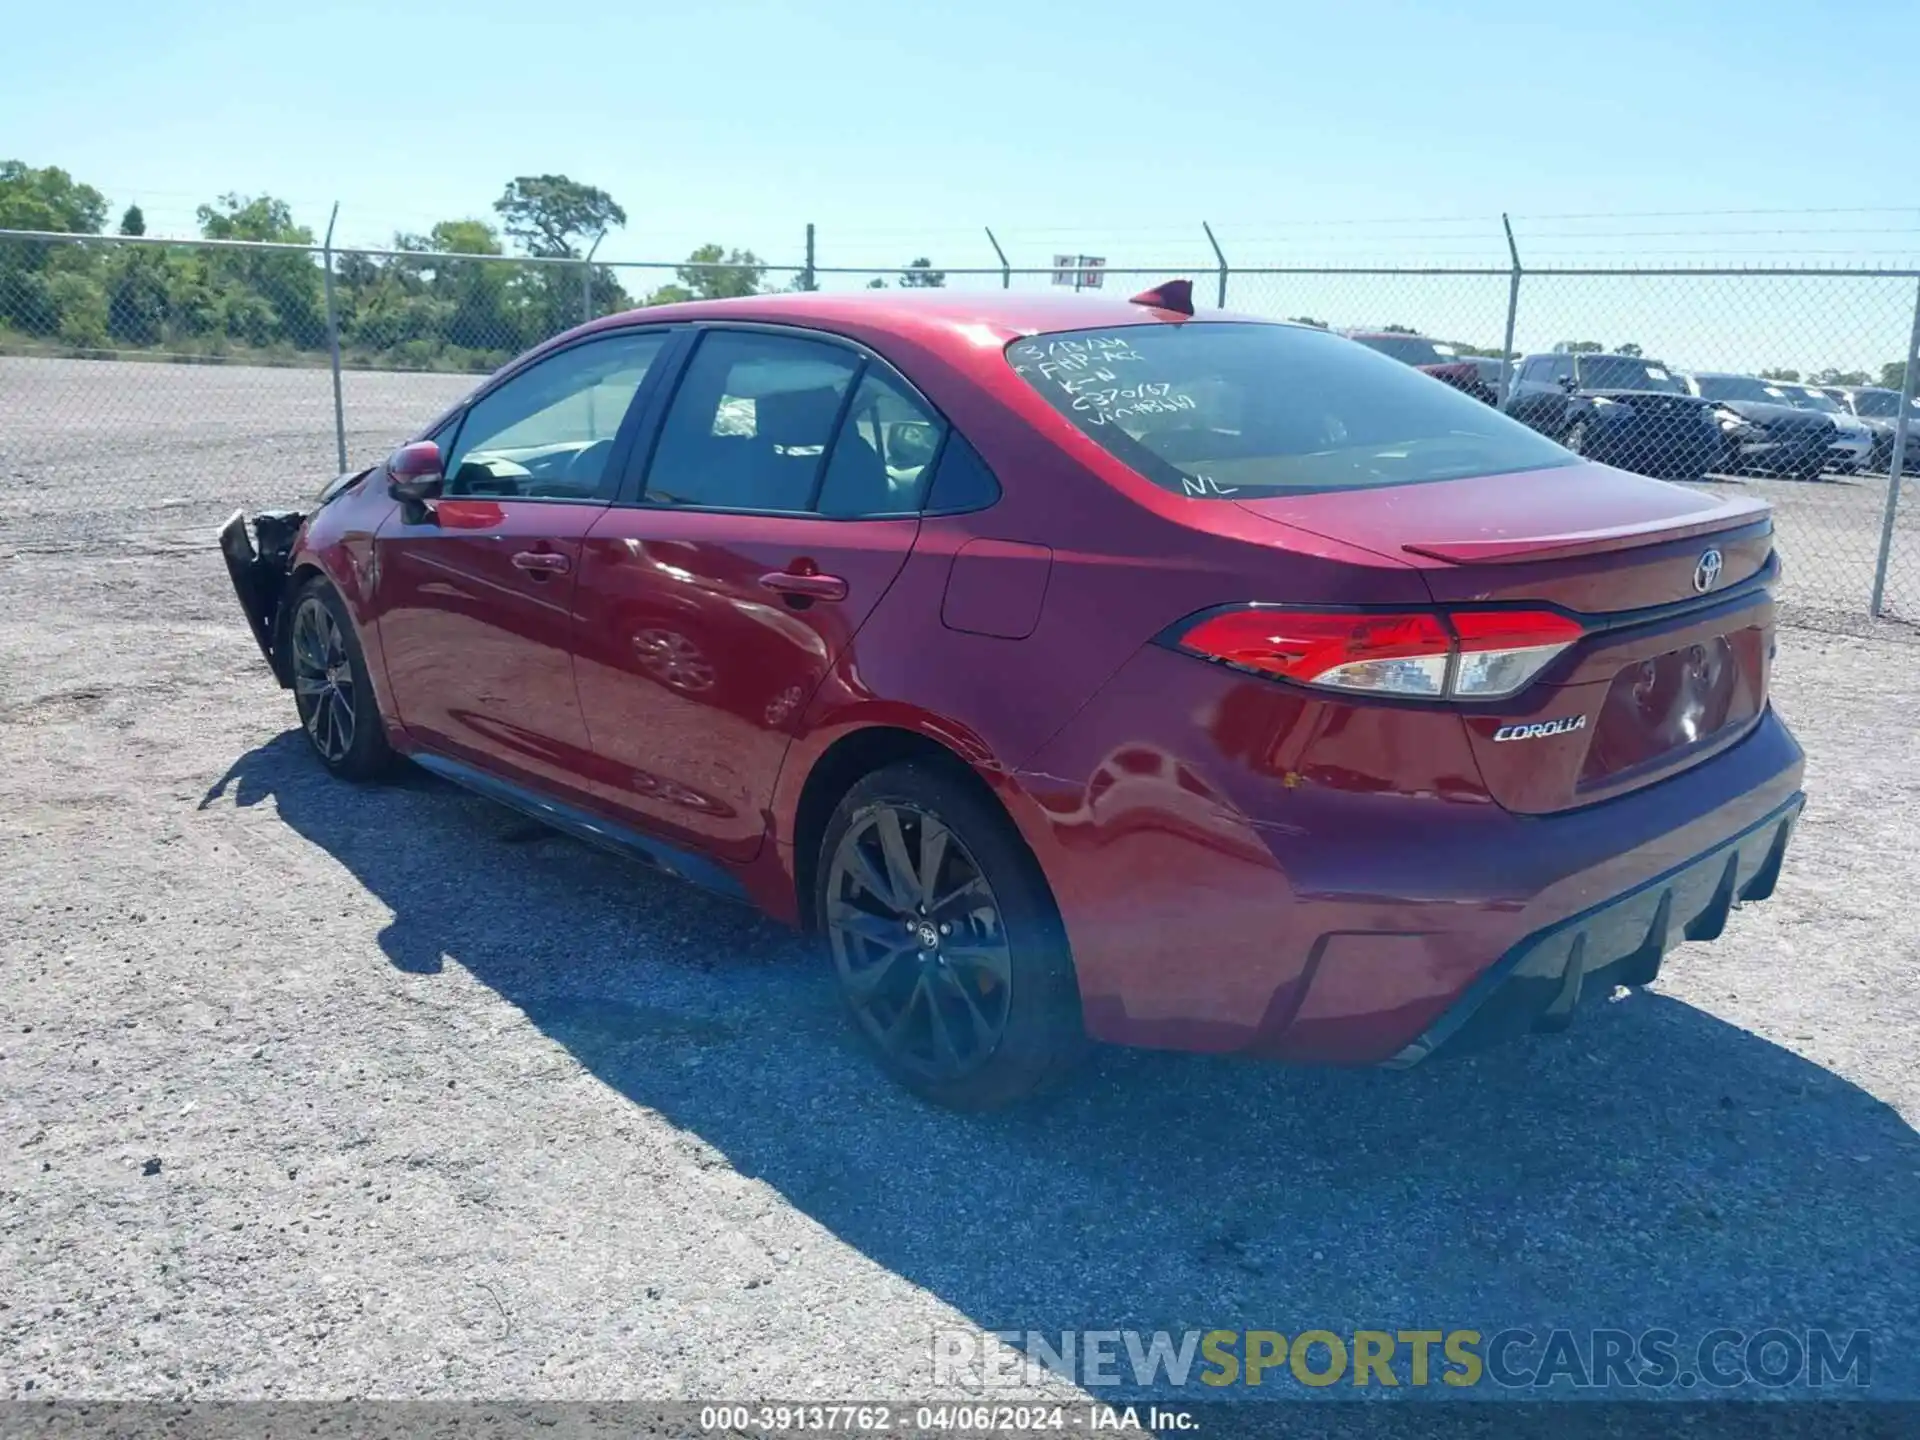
column 257, row 565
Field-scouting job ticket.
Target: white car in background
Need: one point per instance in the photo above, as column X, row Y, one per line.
column 1879, row 410
column 1852, row 447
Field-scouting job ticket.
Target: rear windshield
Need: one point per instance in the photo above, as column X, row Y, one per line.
column 1813, row 400
column 1741, row 387
column 1884, row 404
column 1235, row 409
column 1410, row 349
column 1623, row 372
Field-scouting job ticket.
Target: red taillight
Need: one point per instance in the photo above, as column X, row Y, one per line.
column 1471, row 654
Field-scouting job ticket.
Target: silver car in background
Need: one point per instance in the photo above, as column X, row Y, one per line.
column 1853, row 443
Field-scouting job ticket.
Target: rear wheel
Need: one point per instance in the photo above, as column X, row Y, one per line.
column 945, row 942
column 330, row 687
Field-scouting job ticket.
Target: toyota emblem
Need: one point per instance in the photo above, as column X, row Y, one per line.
column 1707, row 573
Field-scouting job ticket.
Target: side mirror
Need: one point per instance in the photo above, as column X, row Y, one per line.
column 414, row 472
column 1569, row 384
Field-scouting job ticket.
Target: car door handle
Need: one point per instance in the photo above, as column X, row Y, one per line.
column 811, row 586
column 541, row 563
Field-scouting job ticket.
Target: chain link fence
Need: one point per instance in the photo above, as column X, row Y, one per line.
column 152, row 385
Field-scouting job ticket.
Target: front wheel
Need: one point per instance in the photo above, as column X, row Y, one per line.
column 330, row 687
column 945, row 941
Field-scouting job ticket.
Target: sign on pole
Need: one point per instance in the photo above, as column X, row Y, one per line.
column 1082, row 272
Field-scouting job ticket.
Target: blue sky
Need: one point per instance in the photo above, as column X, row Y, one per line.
column 1680, row 132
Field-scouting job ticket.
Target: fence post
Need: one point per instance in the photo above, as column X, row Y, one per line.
column 1897, row 462
column 1222, row 303
column 586, row 279
column 1006, row 270
column 333, row 343
column 1513, row 310
column 806, row 276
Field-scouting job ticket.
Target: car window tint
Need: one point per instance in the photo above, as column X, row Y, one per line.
column 880, row 459
column 749, row 426
column 548, row 432
column 961, row 479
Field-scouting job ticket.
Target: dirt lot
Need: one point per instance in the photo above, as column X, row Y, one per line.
column 317, row 1091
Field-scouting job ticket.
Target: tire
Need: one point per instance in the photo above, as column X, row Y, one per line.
column 331, row 691
column 962, row 988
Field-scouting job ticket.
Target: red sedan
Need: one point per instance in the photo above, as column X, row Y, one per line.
column 1076, row 667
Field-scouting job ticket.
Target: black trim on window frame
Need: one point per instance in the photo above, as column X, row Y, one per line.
column 631, row 494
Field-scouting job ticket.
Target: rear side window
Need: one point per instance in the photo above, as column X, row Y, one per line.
column 749, row 426
column 1225, row 410
column 882, row 453
column 961, row 480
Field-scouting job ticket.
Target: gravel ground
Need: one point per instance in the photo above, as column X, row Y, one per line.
column 317, row 1091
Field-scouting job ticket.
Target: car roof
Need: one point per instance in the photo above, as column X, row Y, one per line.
column 1004, row 314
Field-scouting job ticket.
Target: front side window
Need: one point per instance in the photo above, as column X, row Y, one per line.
column 750, row 424
column 1242, row 410
column 1881, row 404
column 548, row 432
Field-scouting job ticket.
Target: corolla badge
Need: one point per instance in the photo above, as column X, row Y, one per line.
column 1706, row 574
column 1540, row 729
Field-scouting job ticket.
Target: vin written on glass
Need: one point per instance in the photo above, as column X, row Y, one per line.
column 1082, row 368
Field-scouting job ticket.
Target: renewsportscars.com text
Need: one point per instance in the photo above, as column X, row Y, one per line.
column 1516, row 1358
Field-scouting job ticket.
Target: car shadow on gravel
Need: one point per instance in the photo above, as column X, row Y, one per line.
column 1655, row 1167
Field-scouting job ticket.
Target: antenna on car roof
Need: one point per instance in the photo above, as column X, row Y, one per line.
column 1174, row 295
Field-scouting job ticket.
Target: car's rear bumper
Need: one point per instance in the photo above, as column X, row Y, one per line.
column 1538, row 983
column 1231, row 879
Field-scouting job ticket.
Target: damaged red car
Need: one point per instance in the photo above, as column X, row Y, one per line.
column 1076, row 668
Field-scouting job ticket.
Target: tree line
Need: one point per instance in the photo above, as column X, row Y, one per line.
column 414, row 308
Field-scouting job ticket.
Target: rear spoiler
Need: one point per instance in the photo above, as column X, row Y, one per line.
column 1517, row 549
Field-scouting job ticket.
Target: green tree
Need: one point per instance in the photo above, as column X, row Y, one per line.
column 39, row 279
column 668, row 295
column 133, row 221
column 48, row 199
column 1398, row 330
column 1831, row 376
column 1778, row 374
column 1309, row 320
column 1581, row 347
column 715, row 273
column 551, row 214
column 1627, row 347
column 1893, row 374
column 876, row 283
column 264, row 297
column 920, row 275
column 137, row 302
